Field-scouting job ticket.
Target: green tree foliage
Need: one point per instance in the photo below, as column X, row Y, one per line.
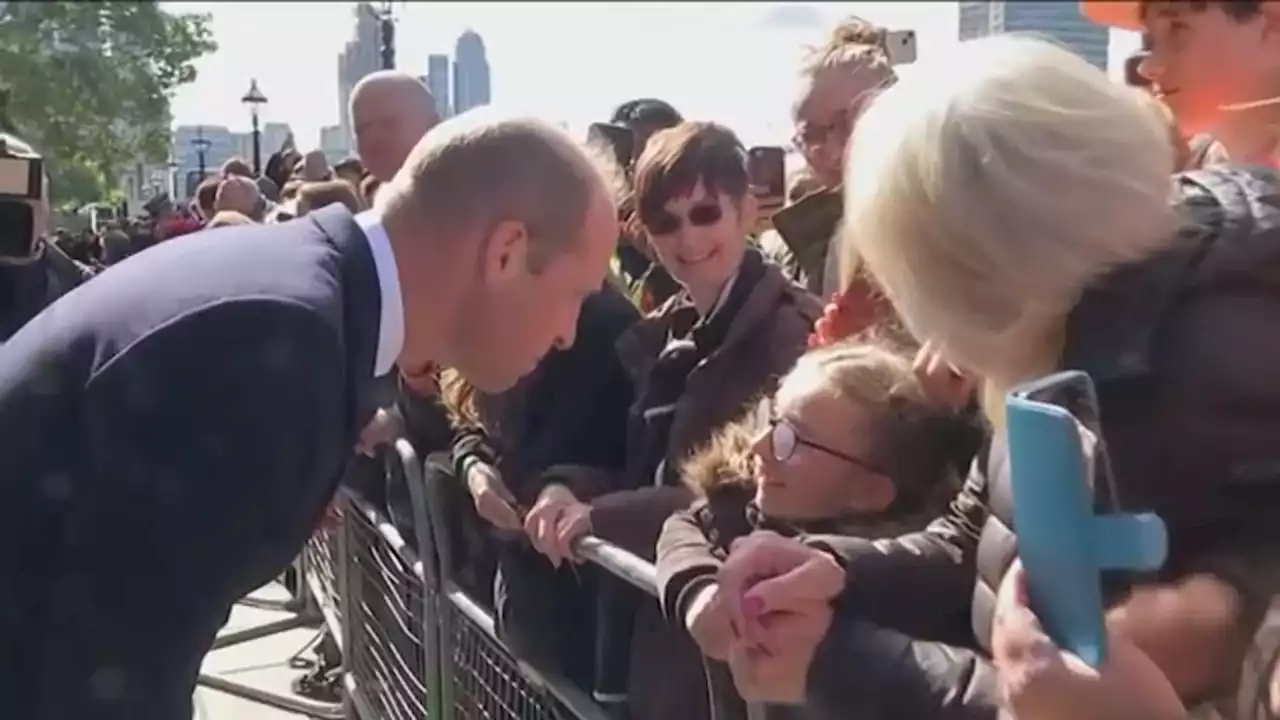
column 89, row 85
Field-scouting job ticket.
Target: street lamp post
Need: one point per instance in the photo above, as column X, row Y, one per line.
column 255, row 100
column 201, row 144
column 172, row 167
column 387, row 33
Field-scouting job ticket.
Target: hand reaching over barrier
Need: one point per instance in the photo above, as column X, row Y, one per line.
column 493, row 501
column 555, row 521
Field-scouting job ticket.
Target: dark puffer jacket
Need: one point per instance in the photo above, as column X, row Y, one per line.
column 1183, row 349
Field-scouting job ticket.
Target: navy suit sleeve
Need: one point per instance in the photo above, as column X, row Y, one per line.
column 221, row 435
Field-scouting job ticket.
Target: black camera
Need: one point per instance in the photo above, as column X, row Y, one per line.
column 21, row 190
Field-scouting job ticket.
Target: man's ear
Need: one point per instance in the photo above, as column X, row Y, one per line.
column 506, row 252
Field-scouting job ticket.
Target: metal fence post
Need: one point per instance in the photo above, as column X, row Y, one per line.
column 347, row 580
column 429, row 562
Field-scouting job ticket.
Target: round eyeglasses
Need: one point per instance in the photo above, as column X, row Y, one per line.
column 785, row 439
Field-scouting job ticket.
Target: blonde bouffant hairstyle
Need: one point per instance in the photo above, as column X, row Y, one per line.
column 986, row 194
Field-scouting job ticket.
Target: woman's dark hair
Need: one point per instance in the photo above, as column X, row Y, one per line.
column 272, row 170
column 677, row 159
column 646, row 113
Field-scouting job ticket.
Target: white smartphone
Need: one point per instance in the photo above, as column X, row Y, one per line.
column 900, row 46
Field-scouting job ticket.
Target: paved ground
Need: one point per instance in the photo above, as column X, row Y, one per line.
column 262, row 663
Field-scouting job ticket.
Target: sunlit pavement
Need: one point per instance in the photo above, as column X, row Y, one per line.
column 261, row 663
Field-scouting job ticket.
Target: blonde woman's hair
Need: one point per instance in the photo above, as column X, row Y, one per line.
column 988, row 192
column 459, row 399
column 855, row 45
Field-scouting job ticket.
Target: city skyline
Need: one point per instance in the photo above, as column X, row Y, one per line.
column 575, row 71
column 1061, row 21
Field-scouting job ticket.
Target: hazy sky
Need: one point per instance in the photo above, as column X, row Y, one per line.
column 733, row 62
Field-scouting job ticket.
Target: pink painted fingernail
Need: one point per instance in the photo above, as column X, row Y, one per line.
column 752, row 606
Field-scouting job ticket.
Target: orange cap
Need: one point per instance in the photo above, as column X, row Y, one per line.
column 1122, row 14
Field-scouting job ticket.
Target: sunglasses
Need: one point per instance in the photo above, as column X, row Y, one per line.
column 666, row 223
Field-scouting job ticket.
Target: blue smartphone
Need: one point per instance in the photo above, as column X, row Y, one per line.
column 1056, row 458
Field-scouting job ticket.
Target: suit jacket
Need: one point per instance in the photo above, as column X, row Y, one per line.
column 171, row 433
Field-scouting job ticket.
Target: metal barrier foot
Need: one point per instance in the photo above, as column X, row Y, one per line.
column 288, row 703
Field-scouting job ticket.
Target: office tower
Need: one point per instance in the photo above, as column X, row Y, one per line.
column 1061, row 21
column 361, row 56
column 333, row 143
column 470, row 73
column 438, row 83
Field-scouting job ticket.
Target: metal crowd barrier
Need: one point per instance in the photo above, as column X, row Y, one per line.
column 414, row 644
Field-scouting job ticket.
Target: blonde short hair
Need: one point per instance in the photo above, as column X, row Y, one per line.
column 985, row 194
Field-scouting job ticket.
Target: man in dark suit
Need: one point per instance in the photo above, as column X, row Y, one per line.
column 171, row 431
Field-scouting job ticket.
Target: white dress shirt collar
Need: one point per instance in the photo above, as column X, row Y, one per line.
column 391, row 324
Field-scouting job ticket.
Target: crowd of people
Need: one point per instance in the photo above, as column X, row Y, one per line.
column 792, row 405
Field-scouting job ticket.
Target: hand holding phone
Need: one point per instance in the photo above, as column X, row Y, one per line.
column 767, row 174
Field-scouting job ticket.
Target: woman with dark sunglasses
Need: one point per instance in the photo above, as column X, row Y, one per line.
column 697, row 363
column 851, row 444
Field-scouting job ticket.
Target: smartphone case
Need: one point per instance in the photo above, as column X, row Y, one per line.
column 1063, row 545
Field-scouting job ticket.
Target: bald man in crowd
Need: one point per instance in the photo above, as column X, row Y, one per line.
column 390, row 111
column 240, row 194
column 214, row 410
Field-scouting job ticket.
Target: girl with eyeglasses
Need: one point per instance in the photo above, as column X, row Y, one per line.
column 852, row 444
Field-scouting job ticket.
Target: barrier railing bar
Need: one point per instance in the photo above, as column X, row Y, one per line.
column 619, row 562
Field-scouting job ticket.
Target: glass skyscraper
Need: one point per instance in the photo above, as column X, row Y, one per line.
column 1059, row 20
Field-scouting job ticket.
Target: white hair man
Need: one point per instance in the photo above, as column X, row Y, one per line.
column 390, row 111
column 217, row 387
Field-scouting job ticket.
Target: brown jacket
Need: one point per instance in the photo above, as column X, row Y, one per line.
column 1183, row 349
column 765, row 338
